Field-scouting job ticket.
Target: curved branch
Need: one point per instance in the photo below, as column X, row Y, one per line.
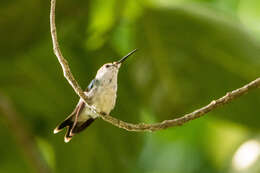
column 63, row 62
column 230, row 96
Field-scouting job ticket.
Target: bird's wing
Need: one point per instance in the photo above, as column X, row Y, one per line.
column 68, row 122
column 79, row 109
column 90, row 86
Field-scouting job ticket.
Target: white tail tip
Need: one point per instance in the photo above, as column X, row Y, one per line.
column 67, row 139
column 55, row 131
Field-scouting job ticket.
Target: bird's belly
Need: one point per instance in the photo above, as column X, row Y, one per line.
column 86, row 114
column 103, row 105
column 105, row 102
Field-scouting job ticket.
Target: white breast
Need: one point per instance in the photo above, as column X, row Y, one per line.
column 105, row 99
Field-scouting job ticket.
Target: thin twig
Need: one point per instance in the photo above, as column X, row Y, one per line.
column 230, row 96
column 63, row 62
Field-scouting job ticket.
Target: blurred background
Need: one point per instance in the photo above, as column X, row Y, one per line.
column 190, row 52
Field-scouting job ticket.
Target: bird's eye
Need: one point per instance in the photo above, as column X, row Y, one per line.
column 107, row 65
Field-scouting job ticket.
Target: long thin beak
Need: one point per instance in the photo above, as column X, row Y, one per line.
column 125, row 57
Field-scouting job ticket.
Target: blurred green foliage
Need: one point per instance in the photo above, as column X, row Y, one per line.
column 190, row 52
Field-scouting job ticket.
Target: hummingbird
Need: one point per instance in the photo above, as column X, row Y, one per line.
column 101, row 94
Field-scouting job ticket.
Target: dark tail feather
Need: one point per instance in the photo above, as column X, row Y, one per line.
column 65, row 123
column 81, row 126
column 78, row 128
column 67, row 136
column 69, row 123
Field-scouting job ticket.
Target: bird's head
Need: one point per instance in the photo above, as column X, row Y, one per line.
column 110, row 70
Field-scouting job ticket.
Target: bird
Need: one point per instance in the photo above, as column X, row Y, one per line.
column 101, row 95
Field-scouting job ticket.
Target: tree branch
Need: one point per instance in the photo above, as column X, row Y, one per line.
column 63, row 62
column 141, row 127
